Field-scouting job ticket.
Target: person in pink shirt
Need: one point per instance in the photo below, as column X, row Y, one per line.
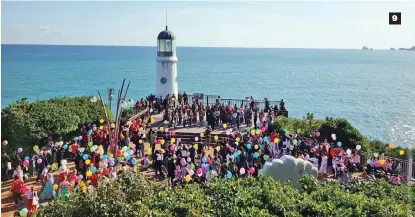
column 73, row 178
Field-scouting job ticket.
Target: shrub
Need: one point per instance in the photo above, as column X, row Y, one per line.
column 133, row 195
column 25, row 123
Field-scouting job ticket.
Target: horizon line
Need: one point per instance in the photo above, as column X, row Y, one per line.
column 97, row 45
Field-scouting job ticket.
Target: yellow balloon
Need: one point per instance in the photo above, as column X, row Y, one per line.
column 381, row 162
column 224, row 126
column 202, row 134
column 149, row 150
column 391, row 146
column 100, row 147
column 55, row 187
column 60, row 143
column 113, row 125
column 216, row 138
column 237, row 139
column 141, row 129
column 124, row 168
column 276, row 140
column 253, row 132
column 101, row 127
column 101, row 121
column 88, row 173
column 188, row 178
column 196, row 146
column 153, row 121
column 92, row 149
column 87, row 162
column 173, row 140
column 161, row 128
column 256, row 146
column 163, row 141
column 401, row 152
column 217, row 148
column 258, row 132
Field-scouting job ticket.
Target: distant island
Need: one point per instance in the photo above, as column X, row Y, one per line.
column 410, row 49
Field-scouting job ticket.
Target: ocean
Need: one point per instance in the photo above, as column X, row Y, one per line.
column 374, row 90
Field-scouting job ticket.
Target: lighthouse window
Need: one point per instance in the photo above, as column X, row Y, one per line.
column 161, row 46
column 168, row 45
column 163, row 80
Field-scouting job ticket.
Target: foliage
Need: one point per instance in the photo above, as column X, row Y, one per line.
column 133, row 195
column 25, row 124
column 345, row 132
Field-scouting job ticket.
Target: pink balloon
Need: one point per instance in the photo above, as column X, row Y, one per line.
column 232, row 149
column 25, row 163
column 172, row 148
column 26, row 188
column 251, row 170
column 39, row 161
column 318, row 134
column 20, row 150
column 134, row 121
column 199, row 171
column 166, row 130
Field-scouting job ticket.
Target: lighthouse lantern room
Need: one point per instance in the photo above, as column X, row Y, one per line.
column 166, row 80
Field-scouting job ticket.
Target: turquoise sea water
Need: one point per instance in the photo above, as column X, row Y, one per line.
column 375, row 90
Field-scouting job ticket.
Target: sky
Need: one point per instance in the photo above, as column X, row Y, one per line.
column 295, row 24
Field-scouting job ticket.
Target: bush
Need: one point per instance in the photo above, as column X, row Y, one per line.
column 345, row 132
column 25, row 124
column 133, row 195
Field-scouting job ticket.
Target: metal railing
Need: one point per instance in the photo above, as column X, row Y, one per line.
column 211, row 100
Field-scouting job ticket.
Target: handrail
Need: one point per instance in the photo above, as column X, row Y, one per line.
column 142, row 112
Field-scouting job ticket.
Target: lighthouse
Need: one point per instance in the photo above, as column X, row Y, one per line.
column 166, row 79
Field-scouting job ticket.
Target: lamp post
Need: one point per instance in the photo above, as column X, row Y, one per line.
column 110, row 90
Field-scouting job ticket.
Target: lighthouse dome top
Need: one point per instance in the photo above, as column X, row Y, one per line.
column 166, row 34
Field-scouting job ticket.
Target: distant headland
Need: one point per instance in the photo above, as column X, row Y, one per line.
column 410, row 49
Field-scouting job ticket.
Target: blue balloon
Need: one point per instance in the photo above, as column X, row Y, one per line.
column 134, row 161
column 112, row 163
column 339, row 144
column 127, row 157
column 235, row 155
column 249, row 146
column 26, row 158
column 89, row 132
column 256, row 155
column 285, row 129
column 261, row 147
column 128, row 149
column 207, row 168
column 204, row 160
column 104, row 157
column 266, row 139
column 75, row 138
column 93, row 169
column 119, row 159
column 229, row 175
column 65, row 146
column 85, row 156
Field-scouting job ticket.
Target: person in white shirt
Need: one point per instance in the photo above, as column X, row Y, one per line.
column 158, row 163
column 18, row 172
column 323, row 167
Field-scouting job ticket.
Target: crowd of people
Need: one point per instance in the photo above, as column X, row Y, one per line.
column 239, row 153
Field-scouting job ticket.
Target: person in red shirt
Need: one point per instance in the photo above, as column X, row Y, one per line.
column 74, row 149
column 17, row 189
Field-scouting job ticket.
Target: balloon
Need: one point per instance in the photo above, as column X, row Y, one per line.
column 24, row 211
column 253, row 132
column 35, row 148
column 101, row 127
column 235, row 155
column 173, row 133
column 248, row 146
column 153, row 121
column 189, row 159
column 20, row 150
column 166, row 130
column 256, row 147
column 173, row 140
column 55, row 186
column 376, row 154
column 199, row 172
column 101, row 121
column 88, row 173
column 26, row 158
column 333, row 136
column 216, row 137
column 401, row 152
column 295, row 142
column 87, row 162
column 258, row 132
column 217, row 148
column 202, row 134
column 54, row 166
column 187, row 178
column 358, row 147
column 256, row 155
column 317, row 134
column 251, row 170
column 25, row 163
column 381, row 162
column 368, row 161
column 162, row 141
column 80, row 177
column 191, row 172
column 81, row 150
column 339, row 144
column 266, row 139
column 237, row 139
column 204, row 159
column 298, row 131
column 39, row 161
column 266, row 157
column 232, row 149
column 161, row 129
column 247, row 129
column 149, row 150
column 172, row 148
column 5, row 142
column 85, row 156
column 284, row 129
column 349, row 151
column 225, row 126
column 65, row 146
column 26, row 189
column 79, row 138
column 93, row 169
column 196, row 146
column 242, row 171
column 228, row 175
column 276, row 140
column 134, row 161
column 391, row 146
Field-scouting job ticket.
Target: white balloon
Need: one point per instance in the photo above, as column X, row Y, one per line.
column 242, row 171
column 349, row 151
column 358, row 147
column 333, row 136
column 196, row 138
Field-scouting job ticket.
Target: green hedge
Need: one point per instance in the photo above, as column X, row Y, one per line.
column 25, row 124
column 345, row 132
column 133, row 195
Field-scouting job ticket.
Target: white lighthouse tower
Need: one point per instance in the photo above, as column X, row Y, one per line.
column 166, row 79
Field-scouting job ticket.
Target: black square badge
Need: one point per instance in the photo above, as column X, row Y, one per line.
column 395, row 18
